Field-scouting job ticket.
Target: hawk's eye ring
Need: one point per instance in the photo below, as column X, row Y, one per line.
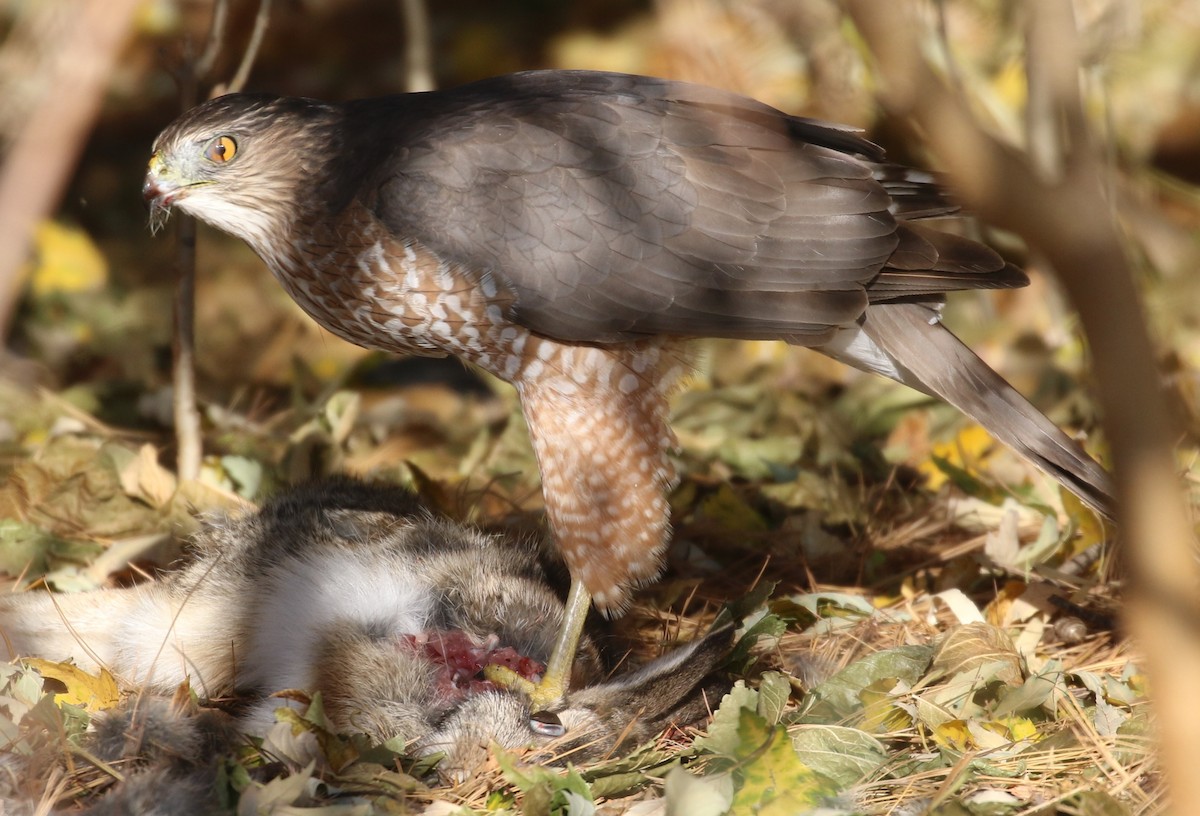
column 221, row 150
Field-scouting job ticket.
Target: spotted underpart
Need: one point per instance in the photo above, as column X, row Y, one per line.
column 568, row 231
column 396, row 296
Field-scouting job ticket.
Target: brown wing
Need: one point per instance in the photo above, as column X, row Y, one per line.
column 611, row 206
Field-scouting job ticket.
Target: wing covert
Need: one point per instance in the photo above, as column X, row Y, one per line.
column 612, row 206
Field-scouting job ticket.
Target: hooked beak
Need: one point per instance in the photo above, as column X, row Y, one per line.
column 160, row 190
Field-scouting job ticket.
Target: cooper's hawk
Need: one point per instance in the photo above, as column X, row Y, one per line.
column 568, row 231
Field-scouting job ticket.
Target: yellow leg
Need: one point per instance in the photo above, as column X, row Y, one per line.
column 557, row 678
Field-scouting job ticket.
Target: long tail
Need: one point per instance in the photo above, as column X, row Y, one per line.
column 907, row 342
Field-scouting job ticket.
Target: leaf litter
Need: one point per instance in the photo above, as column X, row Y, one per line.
column 920, row 687
column 903, row 580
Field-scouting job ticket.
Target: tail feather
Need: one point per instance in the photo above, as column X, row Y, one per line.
column 928, row 357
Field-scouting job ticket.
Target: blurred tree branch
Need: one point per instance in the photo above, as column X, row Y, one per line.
column 418, row 47
column 1057, row 199
column 238, row 83
column 76, row 48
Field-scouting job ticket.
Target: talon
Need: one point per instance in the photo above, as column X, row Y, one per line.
column 504, row 677
column 556, row 680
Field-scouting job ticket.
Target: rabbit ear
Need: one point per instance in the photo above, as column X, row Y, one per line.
column 677, row 688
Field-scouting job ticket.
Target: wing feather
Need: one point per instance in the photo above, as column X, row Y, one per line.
column 610, row 206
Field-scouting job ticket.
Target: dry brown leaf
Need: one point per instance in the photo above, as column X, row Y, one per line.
column 974, row 645
column 145, row 479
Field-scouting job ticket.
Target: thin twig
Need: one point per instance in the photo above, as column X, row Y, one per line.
column 263, row 17
column 188, row 437
column 418, row 47
column 216, row 38
column 189, row 442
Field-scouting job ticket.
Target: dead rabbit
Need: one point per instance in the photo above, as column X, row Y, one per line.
column 354, row 591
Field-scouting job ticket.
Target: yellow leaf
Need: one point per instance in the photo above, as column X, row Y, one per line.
column 1010, row 84
column 158, row 18
column 1020, row 728
column 953, row 734
column 326, row 366
column 881, row 712
column 66, row 261
column 1092, row 529
column 93, row 692
column 966, row 450
column 999, row 610
column 775, row 782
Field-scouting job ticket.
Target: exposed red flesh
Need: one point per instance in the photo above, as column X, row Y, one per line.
column 461, row 661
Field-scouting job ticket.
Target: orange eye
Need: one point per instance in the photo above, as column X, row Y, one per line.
column 221, row 150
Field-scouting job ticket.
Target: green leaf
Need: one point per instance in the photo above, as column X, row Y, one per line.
column 966, row 693
column 245, row 473
column 770, row 627
column 544, row 790
column 624, row 775
column 833, row 611
column 340, row 412
column 840, row 696
column 1107, row 718
column 795, row 615
column 722, row 737
column 1096, row 803
column 577, row 804
column 774, row 781
column 845, row 755
column 742, row 608
column 537, row 799
column 1118, row 692
column 728, row 509
column 31, row 552
column 615, row 786
column 966, row 482
column 1038, row 690
column 279, row 792
column 773, row 693
column 386, row 753
column 761, row 458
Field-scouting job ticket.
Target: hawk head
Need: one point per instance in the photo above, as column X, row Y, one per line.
column 241, row 163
